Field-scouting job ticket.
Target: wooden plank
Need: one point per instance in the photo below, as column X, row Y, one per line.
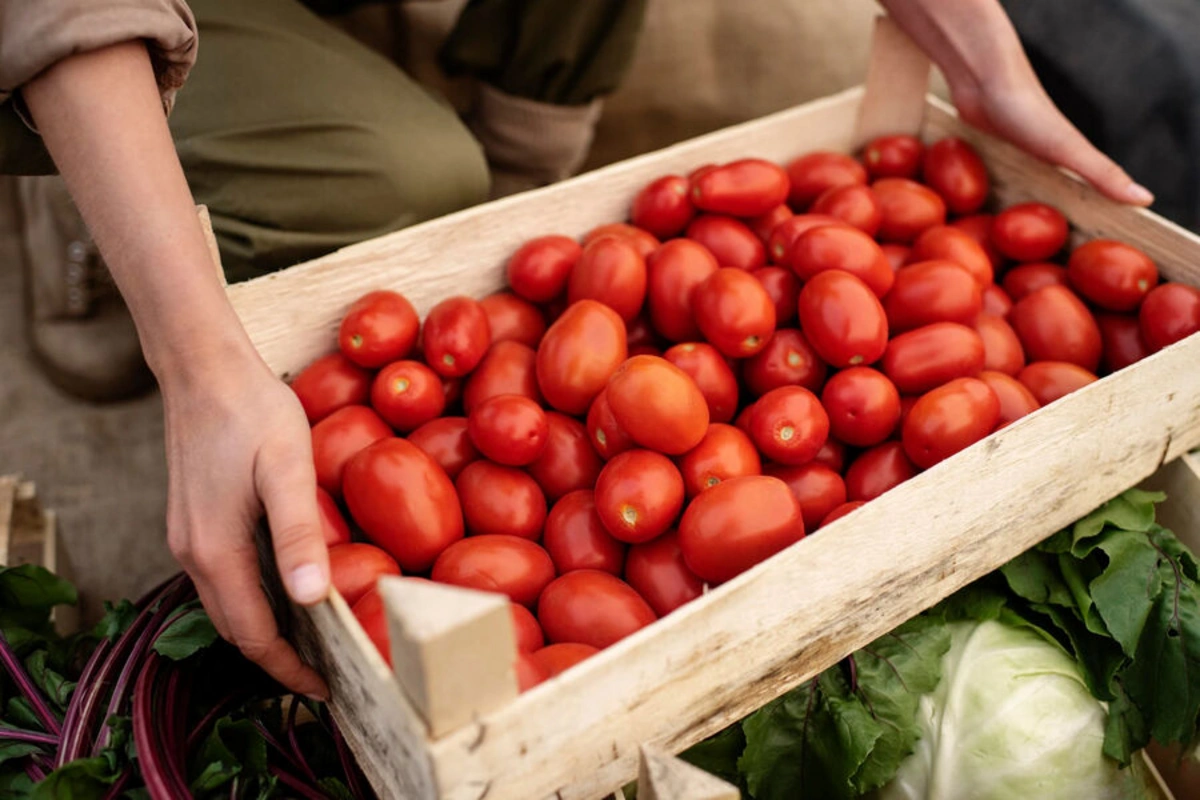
column 1180, row 512
column 8, row 495
column 896, row 85
column 664, row 777
column 453, row 650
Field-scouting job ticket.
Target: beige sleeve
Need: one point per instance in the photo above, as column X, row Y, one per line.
column 35, row 34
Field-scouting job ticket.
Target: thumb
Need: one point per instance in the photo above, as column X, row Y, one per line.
column 287, row 486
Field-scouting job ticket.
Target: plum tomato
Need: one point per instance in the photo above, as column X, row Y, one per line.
column 526, row 628
column 508, row 565
column 738, row 523
column 712, row 375
column 996, row 301
column 1002, row 351
column 730, row 241
column 656, row 571
column 843, row 319
column 724, row 452
column 638, row 495
column 456, row 336
column 818, row 489
column 404, row 502
column 658, row 405
column 569, row 461
column 338, row 438
column 812, row 174
column 840, row 247
column 639, row 333
column 833, row 453
column 575, row 537
column 447, row 442
column 538, row 271
column 379, row 328
column 355, row 567
column 334, row 529
column 1114, row 276
column 1053, row 324
column 789, row 425
column 954, row 170
column 743, row 188
column 1121, row 341
column 854, row 204
column 784, row 290
column 509, row 429
column 787, row 360
column 895, row 156
column 908, row 209
column 932, row 291
column 329, row 383
column 950, row 244
column 897, row 254
column 863, row 406
column 1015, row 399
column 841, row 511
column 1030, row 232
column 1025, row 279
column 674, row 270
column 932, row 355
column 1049, row 380
column 558, row 658
column 512, row 319
column 610, row 271
column 370, row 613
column 1169, row 313
column 591, row 607
column 877, row 470
column 979, row 228
column 663, row 207
column 606, row 436
column 500, row 500
column 764, row 224
column 578, row 354
column 734, row 312
column 788, row 231
column 529, row 671
column 948, row 419
column 407, row 394
column 643, row 241
column 507, row 368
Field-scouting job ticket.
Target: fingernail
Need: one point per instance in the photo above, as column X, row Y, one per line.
column 307, row 584
column 1139, row 194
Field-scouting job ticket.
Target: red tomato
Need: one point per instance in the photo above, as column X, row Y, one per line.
column 738, row 523
column 711, row 374
column 843, row 319
column 996, row 301
column 764, row 224
column 610, row 271
column 371, row 616
column 854, row 204
column 1054, row 325
column 569, row 462
column 877, row 470
column 509, row 429
column 675, row 270
column 529, row 672
column 656, row 570
column 730, row 240
column 833, row 453
column 841, row 511
column 639, row 333
column 932, row 355
column 1029, row 231
column 538, row 271
column 526, row 628
column 1121, row 339
column 509, row 565
column 456, row 336
column 558, row 658
column 379, row 328
column 744, row 188
column 507, row 368
column 908, row 209
column 897, row 254
column 500, row 500
column 788, row 231
column 447, row 442
column 334, row 529
column 789, row 425
column 606, row 436
column 1112, row 275
column 948, row 419
column 784, row 290
column 355, row 567
column 663, row 207
column 955, row 171
column 897, row 156
column 932, row 291
column 511, row 319
column 1169, row 313
column 1025, row 279
column 818, row 489
column 329, row 383
column 404, row 502
column 814, row 173
column 578, row 354
column 592, row 607
column 734, row 312
column 1002, row 351
column 638, row 495
column 644, row 350
column 452, row 388
column 840, row 247
column 576, row 538
column 1015, row 400
column 339, row 437
column 1049, row 380
column 979, row 228
column 407, row 394
column 658, row 405
column 642, row 241
column 907, row 401
column 787, row 360
column 724, row 452
column 863, row 406
column 742, row 423
column 950, row 244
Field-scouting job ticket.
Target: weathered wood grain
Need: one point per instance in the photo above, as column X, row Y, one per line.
column 664, row 777
column 896, row 85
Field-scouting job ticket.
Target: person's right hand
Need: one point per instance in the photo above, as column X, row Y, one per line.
column 238, row 445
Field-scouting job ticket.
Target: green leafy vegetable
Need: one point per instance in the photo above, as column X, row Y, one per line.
column 188, row 635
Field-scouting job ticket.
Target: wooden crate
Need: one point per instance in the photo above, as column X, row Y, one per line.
column 447, row 723
column 29, row 535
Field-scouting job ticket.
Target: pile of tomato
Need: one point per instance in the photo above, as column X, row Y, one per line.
column 657, row 408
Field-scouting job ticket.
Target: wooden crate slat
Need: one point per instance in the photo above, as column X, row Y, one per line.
column 664, row 777
column 896, row 84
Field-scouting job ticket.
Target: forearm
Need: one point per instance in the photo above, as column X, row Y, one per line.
column 101, row 117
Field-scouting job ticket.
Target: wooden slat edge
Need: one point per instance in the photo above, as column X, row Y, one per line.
column 663, row 777
column 1180, row 512
column 8, row 496
column 896, row 85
